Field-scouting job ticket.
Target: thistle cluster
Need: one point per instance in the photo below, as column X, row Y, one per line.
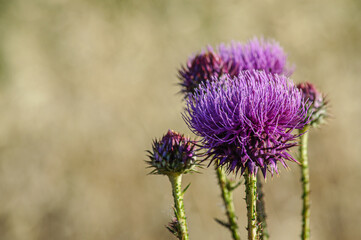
column 246, row 122
column 245, row 109
column 174, row 153
column 317, row 111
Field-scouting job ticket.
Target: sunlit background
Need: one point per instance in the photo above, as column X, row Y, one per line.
column 86, row 85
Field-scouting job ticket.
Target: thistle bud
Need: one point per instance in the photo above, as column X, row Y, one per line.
column 318, row 105
column 200, row 68
column 173, row 154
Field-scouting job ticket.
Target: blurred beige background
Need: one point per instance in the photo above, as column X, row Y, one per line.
column 86, row 85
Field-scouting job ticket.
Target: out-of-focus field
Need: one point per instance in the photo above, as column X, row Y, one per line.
column 86, row 85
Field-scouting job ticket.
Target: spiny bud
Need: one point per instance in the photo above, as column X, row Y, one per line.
column 174, row 153
column 200, row 68
column 318, row 105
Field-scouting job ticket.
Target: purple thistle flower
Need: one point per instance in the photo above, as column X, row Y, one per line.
column 247, row 122
column 255, row 55
column 174, row 153
column 317, row 111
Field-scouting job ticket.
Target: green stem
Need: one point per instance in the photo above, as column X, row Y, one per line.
column 228, row 202
column 251, row 200
column 261, row 212
column 176, row 180
column 305, row 184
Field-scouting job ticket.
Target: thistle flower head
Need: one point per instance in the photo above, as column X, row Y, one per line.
column 256, row 54
column 199, row 69
column 247, row 122
column 173, row 154
column 317, row 111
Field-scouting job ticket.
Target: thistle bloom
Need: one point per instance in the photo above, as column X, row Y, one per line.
column 247, row 122
column 317, row 111
column 254, row 55
column 174, row 153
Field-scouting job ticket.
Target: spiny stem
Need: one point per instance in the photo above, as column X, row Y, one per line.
column 305, row 184
column 228, row 202
column 261, row 212
column 251, row 199
column 176, row 180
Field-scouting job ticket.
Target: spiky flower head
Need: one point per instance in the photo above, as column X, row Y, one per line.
column 318, row 105
column 247, row 122
column 173, row 154
column 199, row 69
column 257, row 54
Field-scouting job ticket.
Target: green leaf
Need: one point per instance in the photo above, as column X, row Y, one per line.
column 185, row 189
column 223, row 223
